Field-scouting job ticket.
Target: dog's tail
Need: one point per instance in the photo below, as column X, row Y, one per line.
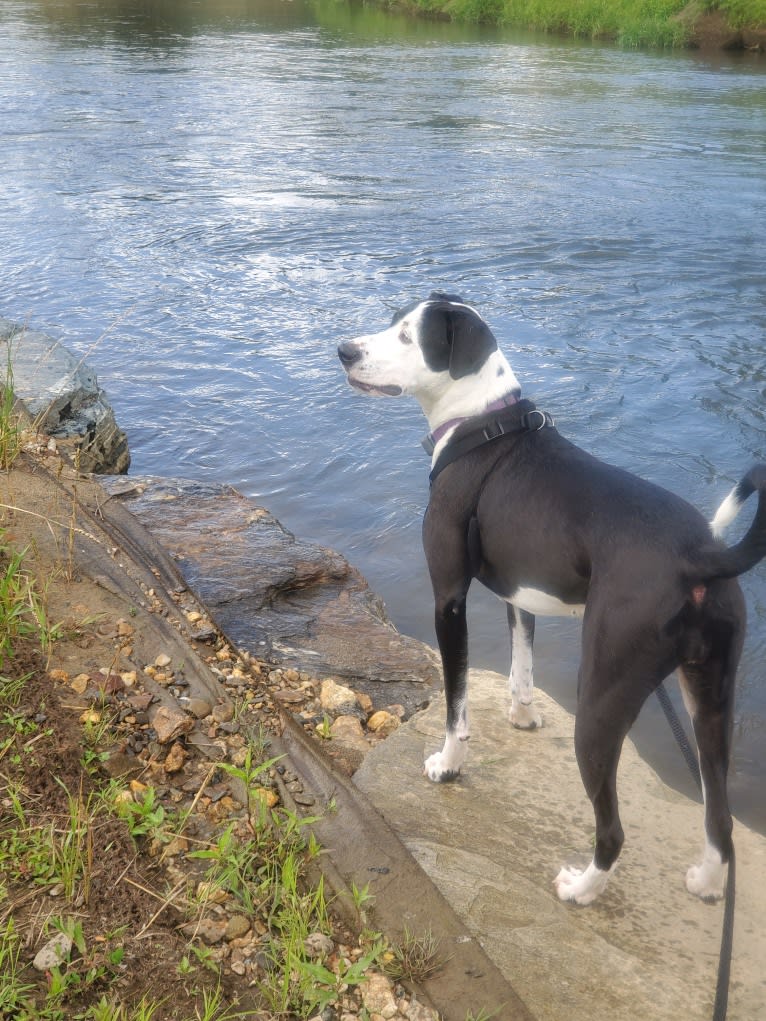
column 737, row 559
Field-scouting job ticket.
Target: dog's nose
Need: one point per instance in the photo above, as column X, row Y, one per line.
column 349, row 352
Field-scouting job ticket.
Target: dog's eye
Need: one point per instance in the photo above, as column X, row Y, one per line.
column 404, row 337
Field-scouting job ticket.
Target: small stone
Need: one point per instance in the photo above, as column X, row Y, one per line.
column 193, row 616
column 162, row 660
column 383, row 723
column 237, row 926
column 211, row 930
column 199, row 707
column 348, row 729
column 335, row 698
column 124, row 629
column 141, row 700
column 79, row 683
column 59, row 675
column 290, row 696
column 176, row 758
column 129, row 678
column 365, row 702
column 55, row 952
column 178, row 845
column 415, row 1011
column 318, row 945
column 268, row 797
column 240, row 756
column 303, row 799
column 211, row 892
column 349, row 745
column 170, row 723
column 223, row 713
column 378, row 995
column 91, row 716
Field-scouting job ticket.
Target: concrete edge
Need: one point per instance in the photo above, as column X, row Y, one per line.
column 366, row 851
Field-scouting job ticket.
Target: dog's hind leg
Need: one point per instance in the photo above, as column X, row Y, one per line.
column 598, row 745
column 615, row 681
column 521, row 627
column 712, row 730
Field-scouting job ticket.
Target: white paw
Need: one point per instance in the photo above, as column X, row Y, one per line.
column 706, row 881
column 525, row 717
column 581, row 887
column 440, row 767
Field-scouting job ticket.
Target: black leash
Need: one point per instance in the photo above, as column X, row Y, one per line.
column 727, row 934
column 521, row 417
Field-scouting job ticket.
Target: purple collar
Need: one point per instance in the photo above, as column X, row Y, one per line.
column 429, row 442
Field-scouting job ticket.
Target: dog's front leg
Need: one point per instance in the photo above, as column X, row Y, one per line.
column 521, row 627
column 452, row 636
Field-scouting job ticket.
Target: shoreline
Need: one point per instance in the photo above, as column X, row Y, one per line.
column 692, row 29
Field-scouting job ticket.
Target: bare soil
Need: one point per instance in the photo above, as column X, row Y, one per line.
column 125, row 886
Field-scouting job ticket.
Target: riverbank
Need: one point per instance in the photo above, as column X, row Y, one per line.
column 150, row 809
column 708, row 26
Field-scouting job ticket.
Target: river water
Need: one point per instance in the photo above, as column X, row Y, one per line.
column 205, row 198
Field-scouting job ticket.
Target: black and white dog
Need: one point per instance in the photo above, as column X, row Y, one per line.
column 552, row 530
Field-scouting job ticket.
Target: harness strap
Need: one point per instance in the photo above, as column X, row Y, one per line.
column 519, row 418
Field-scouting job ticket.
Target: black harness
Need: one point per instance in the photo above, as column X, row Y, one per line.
column 521, row 417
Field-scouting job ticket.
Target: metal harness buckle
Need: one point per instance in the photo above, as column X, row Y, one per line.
column 545, row 419
column 492, row 430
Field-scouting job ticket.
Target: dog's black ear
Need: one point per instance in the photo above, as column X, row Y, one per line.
column 471, row 342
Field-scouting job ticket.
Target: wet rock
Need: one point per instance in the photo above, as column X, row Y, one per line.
column 55, row 953
column 60, row 392
column 297, row 604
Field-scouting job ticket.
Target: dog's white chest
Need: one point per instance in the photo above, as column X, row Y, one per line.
column 540, row 603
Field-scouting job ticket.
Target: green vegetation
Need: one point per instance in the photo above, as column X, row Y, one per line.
column 632, row 23
column 743, row 13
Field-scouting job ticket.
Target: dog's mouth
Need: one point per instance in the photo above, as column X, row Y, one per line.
column 376, row 391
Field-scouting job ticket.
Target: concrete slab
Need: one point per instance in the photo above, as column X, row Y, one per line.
column 493, row 841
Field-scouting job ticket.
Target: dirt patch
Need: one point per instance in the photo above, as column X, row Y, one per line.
column 710, row 31
column 126, row 952
column 146, row 818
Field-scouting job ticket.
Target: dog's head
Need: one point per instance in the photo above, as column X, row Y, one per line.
column 429, row 346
